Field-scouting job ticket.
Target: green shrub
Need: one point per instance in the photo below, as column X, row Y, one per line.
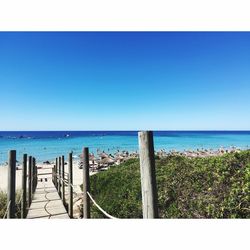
column 212, row 187
column 3, row 204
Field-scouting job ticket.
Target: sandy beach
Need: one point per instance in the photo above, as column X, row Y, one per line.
column 98, row 163
column 77, row 175
column 105, row 162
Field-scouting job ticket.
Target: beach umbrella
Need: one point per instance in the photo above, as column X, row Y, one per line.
column 119, row 157
column 92, row 157
column 107, row 160
column 103, row 155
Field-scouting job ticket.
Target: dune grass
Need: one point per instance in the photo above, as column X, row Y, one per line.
column 212, row 187
column 3, row 204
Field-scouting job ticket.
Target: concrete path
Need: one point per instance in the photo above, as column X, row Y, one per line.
column 46, row 203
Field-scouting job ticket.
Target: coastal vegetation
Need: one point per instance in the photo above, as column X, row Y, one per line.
column 209, row 187
column 3, row 204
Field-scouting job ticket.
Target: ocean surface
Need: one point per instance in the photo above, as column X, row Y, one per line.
column 47, row 145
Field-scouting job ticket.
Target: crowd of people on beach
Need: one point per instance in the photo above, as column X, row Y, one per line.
column 199, row 152
column 104, row 160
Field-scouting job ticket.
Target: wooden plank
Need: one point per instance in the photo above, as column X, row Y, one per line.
column 46, row 203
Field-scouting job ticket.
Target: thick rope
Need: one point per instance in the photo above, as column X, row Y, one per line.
column 19, row 202
column 7, row 210
column 103, row 211
column 67, row 184
column 92, row 199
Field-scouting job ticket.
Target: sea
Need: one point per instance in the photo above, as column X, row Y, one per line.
column 47, row 145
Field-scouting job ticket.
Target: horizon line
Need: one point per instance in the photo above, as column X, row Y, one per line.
column 130, row 130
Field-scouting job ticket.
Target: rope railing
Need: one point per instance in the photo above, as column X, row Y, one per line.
column 102, row 210
column 7, row 210
column 91, row 198
column 20, row 200
column 18, row 204
column 61, row 180
column 59, row 177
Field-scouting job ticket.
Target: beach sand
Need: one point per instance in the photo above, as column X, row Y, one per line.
column 77, row 176
column 78, row 173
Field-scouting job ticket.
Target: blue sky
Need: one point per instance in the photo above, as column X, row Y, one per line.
column 124, row 81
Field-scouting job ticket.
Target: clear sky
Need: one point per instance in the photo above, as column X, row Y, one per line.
column 124, row 81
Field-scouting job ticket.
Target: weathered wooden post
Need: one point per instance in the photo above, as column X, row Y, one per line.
column 30, row 181
column 86, row 184
column 56, row 174
column 59, row 176
column 24, row 188
column 53, row 174
column 70, row 184
column 148, row 178
column 11, row 198
column 36, row 174
column 63, row 179
column 33, row 174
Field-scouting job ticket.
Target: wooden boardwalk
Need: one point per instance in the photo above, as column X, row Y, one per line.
column 46, row 202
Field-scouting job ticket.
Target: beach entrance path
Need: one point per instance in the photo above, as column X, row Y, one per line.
column 46, row 202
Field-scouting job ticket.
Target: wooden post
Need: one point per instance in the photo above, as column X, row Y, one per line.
column 70, row 210
column 56, row 173
column 24, row 187
column 30, row 181
column 148, row 178
column 36, row 174
column 11, row 198
column 86, row 185
column 59, row 176
column 63, row 184
column 33, row 174
column 53, row 174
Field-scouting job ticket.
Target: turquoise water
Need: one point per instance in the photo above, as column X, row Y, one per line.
column 48, row 145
